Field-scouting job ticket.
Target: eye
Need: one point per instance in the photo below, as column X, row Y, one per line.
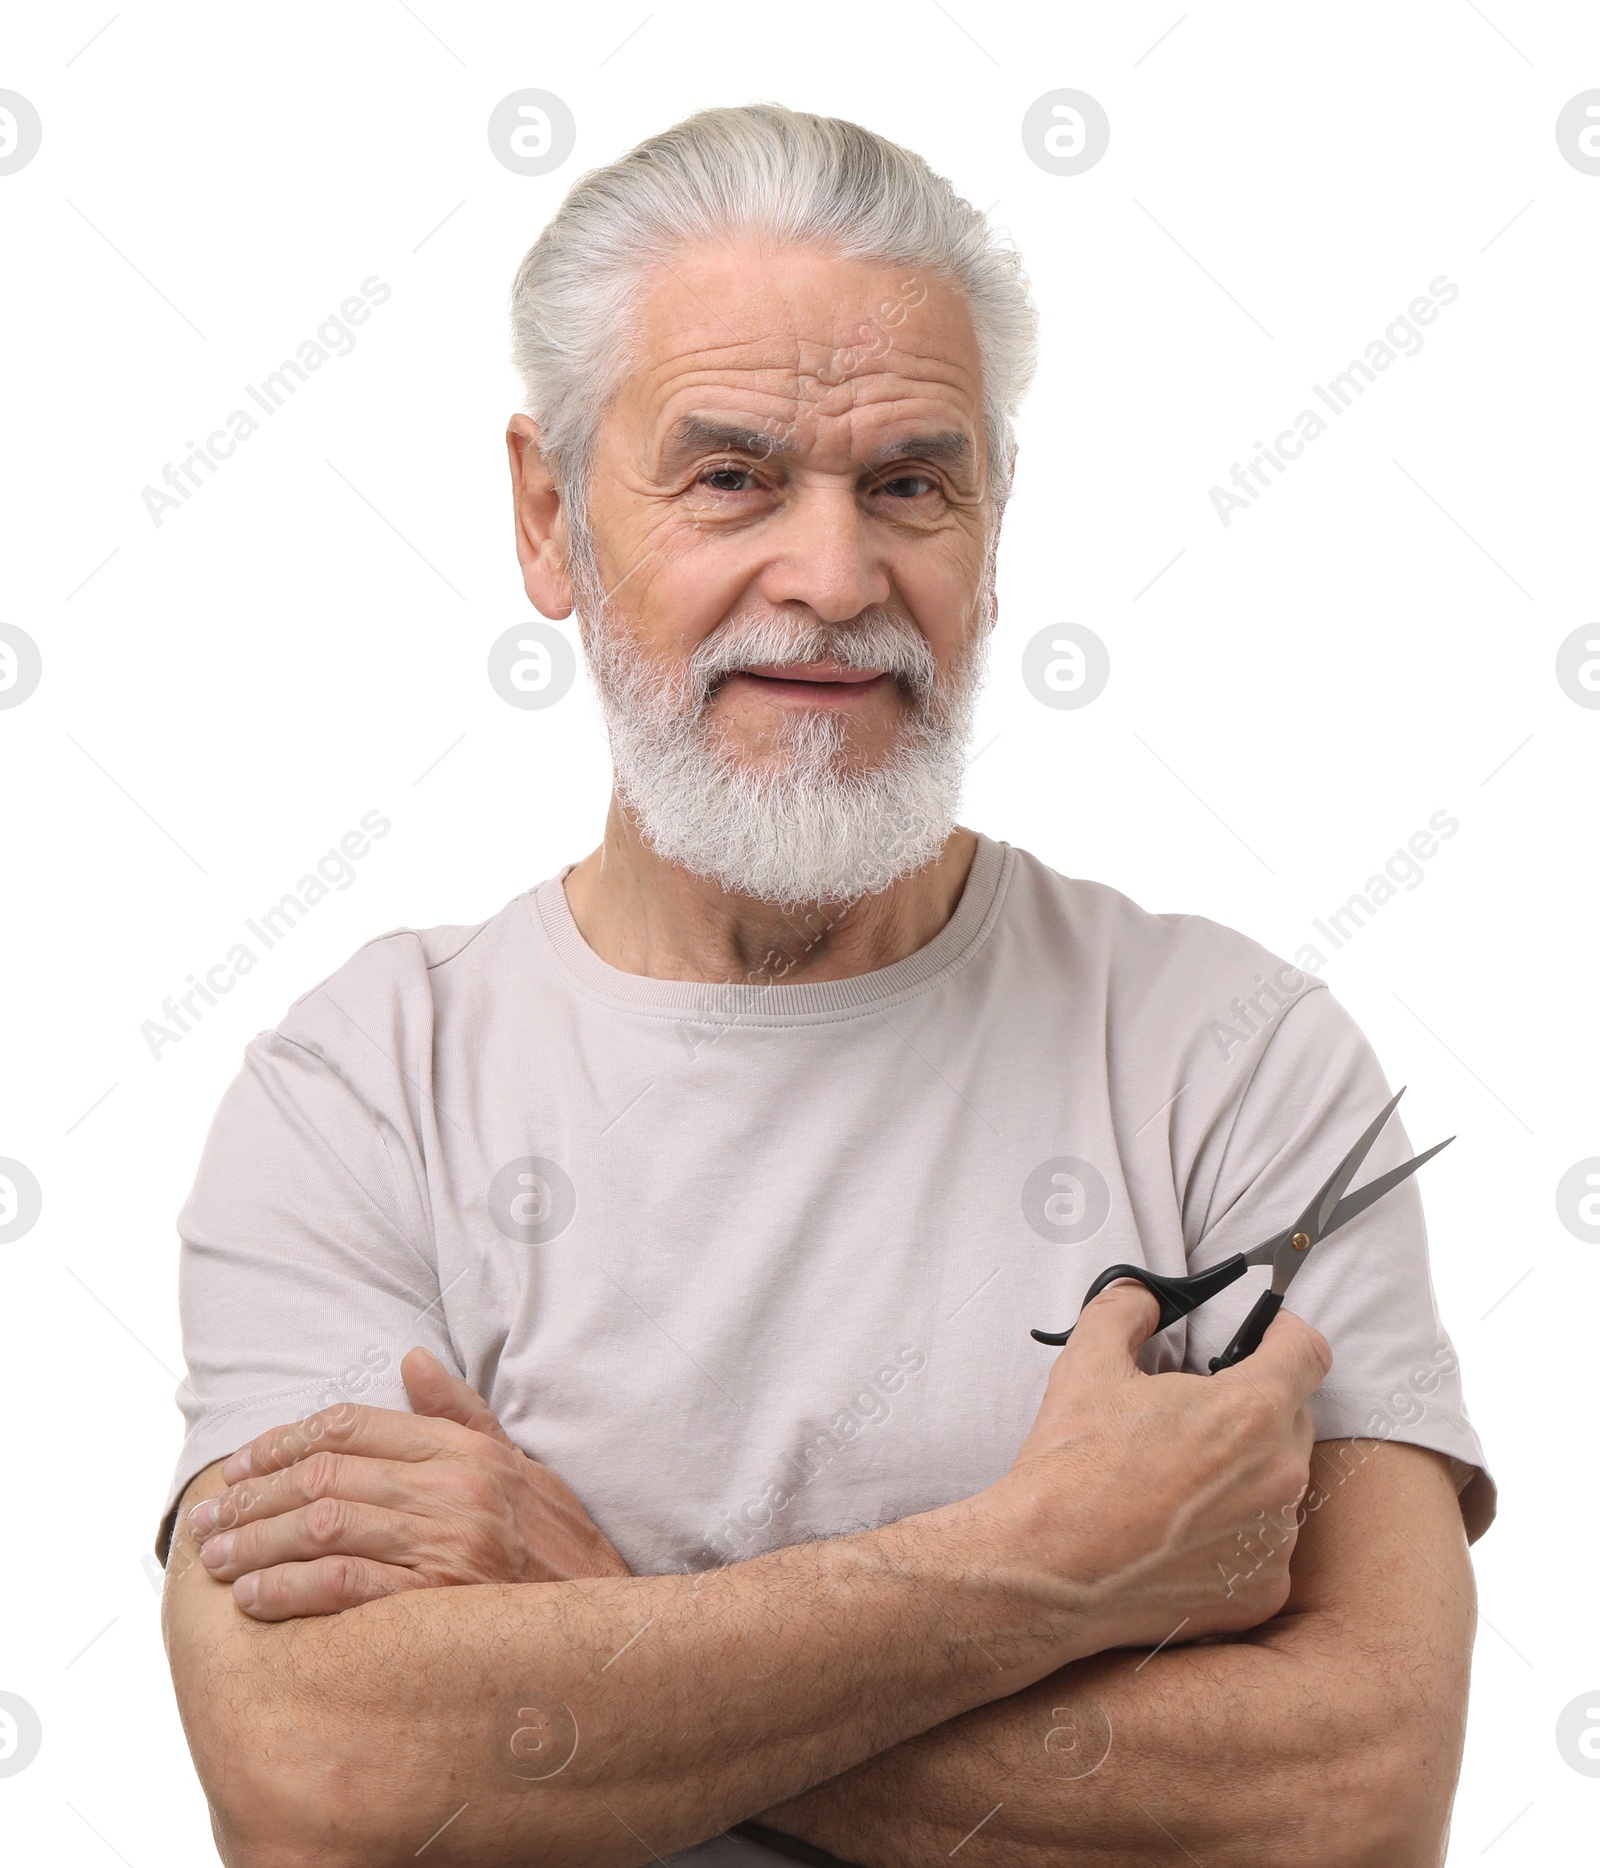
column 906, row 485
column 718, row 478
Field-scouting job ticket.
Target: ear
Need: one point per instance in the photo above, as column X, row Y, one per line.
column 541, row 521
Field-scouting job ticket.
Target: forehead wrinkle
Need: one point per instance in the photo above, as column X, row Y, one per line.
column 703, row 325
column 713, row 433
column 783, row 347
column 790, row 352
column 770, row 291
column 860, row 390
column 774, row 367
column 707, row 328
column 937, row 434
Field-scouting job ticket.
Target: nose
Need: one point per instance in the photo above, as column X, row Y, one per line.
column 823, row 556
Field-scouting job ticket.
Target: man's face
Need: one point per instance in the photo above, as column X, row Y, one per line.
column 802, row 447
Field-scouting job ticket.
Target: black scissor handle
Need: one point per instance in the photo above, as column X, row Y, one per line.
column 1247, row 1338
column 1176, row 1296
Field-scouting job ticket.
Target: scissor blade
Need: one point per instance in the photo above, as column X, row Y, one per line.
column 1363, row 1197
column 1314, row 1220
column 1267, row 1251
column 1286, row 1261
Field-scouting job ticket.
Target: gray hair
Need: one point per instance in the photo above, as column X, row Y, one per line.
column 756, row 168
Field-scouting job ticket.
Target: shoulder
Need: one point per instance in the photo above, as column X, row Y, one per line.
column 377, row 1014
column 1136, row 949
column 1202, row 997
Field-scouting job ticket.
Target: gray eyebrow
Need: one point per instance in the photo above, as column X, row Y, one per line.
column 944, row 444
column 693, row 433
column 696, row 433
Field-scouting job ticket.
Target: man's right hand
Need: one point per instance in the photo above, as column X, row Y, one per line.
column 354, row 1503
column 1173, row 1497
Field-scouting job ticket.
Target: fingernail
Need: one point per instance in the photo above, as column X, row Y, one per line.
column 203, row 1520
column 244, row 1591
column 217, row 1551
column 238, row 1467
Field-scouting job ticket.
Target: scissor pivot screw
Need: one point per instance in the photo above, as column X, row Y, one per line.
column 1301, row 1241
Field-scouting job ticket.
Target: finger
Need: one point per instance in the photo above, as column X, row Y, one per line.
column 324, row 1587
column 1111, row 1330
column 373, row 1432
column 1293, row 1356
column 321, row 1474
column 333, row 1527
column 435, row 1392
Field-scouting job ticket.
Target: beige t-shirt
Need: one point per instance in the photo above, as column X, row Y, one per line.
column 750, row 1265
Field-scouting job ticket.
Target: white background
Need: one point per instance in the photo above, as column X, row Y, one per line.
column 1373, row 641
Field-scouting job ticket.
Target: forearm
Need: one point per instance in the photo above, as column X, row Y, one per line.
column 613, row 1719
column 1226, row 1748
column 687, row 1702
column 1329, row 1736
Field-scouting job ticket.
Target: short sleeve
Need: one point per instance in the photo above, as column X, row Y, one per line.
column 305, row 1270
column 1314, row 1087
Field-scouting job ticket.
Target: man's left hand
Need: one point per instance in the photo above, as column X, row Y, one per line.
column 359, row 1502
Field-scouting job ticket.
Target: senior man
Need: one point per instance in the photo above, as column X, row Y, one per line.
column 613, row 1425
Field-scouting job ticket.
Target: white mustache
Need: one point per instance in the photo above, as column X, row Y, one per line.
column 879, row 640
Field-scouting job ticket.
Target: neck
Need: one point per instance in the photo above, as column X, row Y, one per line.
column 643, row 915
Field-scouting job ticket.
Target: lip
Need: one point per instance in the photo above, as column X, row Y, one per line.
column 809, row 684
column 832, row 672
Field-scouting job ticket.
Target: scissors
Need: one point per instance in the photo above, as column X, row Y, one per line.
column 1285, row 1251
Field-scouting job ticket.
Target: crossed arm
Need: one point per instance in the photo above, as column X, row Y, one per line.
column 1330, row 1734
column 965, row 1704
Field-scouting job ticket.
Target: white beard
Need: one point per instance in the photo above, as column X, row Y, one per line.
column 805, row 821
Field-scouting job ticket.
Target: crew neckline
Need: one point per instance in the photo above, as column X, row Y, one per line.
column 950, row 949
